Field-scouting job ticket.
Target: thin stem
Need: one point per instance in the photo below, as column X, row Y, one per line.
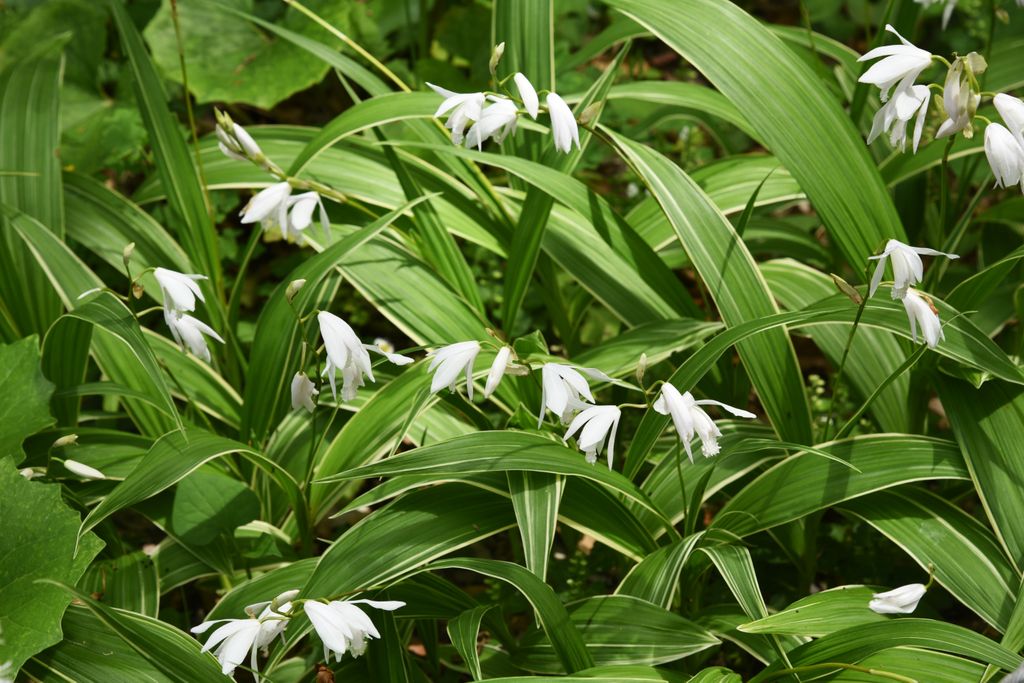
column 840, row 665
column 944, row 196
column 679, row 469
column 907, row 364
column 842, row 362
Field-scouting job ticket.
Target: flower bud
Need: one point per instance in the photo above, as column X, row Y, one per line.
column 499, row 50
column 83, row 470
column 847, row 289
column 126, row 253
column 138, row 290
column 293, row 288
column 66, row 440
column 641, row 369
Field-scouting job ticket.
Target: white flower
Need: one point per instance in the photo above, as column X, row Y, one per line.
column 561, row 389
column 344, row 627
column 947, row 11
column 300, row 217
column 907, row 268
column 497, row 370
column 896, row 114
column 902, row 600
column 563, row 124
column 451, row 360
column 1012, row 111
column 344, row 352
column 82, row 470
column 237, row 144
column 1005, row 155
column 303, row 391
column 189, row 331
column 922, row 312
column 689, row 418
column 527, row 94
column 272, row 200
column 960, row 102
column 387, row 349
column 464, row 108
column 599, row 425
column 902, row 64
column 179, row 290
column 497, row 121
column 272, row 621
column 240, row 636
column 28, row 473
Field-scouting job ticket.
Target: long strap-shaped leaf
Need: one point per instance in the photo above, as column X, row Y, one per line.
column 790, row 109
column 735, row 283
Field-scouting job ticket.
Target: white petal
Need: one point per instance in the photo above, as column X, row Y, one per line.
column 82, row 470
column 527, row 94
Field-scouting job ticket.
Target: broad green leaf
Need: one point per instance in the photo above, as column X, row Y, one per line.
column 129, row 582
column 620, row 629
column 209, row 504
column 784, row 102
column 37, row 541
column 24, row 396
column 804, row 482
column 535, row 499
column 463, row 631
column 654, row 579
column 737, row 568
column 734, row 282
column 989, row 426
column 30, row 181
column 917, row 664
column 967, row 558
column 820, row 614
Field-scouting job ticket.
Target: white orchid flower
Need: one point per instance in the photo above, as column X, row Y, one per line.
column 1005, row 155
column 896, row 114
column 237, row 144
column 300, row 216
column 599, row 424
column 189, row 331
column 528, row 94
column 562, row 387
column 960, row 102
column 947, row 11
column 345, row 353
column 498, row 120
column 497, row 370
column 564, row 129
column 1012, row 111
column 233, row 640
column 344, row 627
column 907, row 268
column 387, row 349
column 922, row 312
column 82, row 470
column 448, row 362
column 901, row 66
column 271, row 618
column 179, row 290
column 464, row 107
column 270, row 202
column 902, row 600
column 689, row 418
column 303, row 391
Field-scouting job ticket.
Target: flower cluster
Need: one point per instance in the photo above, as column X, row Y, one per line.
column 180, row 291
column 907, row 270
column 492, row 115
column 341, row 625
column 895, row 73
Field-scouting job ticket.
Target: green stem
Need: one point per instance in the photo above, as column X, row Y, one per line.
column 944, row 196
column 842, row 362
column 840, row 665
column 907, row 364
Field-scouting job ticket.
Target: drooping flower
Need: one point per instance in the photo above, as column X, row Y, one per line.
column 300, row 217
column 902, row 600
column 599, row 424
column 564, row 129
column 497, row 370
column 272, row 621
column 947, row 11
column 82, row 470
column 959, row 99
column 464, row 107
column 562, row 387
column 238, row 637
column 1005, row 155
column 921, row 311
column 901, row 66
column 344, row 627
column 281, row 214
column 689, row 418
column 907, row 268
column 303, row 391
column 179, row 290
column 1012, row 110
column 527, row 94
column 896, row 114
column 387, row 349
column 189, row 331
column 270, row 202
column 448, row 362
column 498, row 120
column 345, row 353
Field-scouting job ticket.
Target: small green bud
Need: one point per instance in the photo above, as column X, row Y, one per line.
column 293, row 288
column 847, row 289
column 66, row 440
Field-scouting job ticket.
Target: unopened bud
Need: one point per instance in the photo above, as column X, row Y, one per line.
column 641, row 369
column 499, row 50
column 293, row 288
column 847, row 289
column 589, row 114
column 138, row 290
column 127, row 252
column 976, row 63
column 246, row 142
column 66, row 440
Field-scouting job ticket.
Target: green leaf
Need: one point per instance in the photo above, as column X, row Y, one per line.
column 803, row 483
column 37, row 541
column 30, row 182
column 209, row 504
column 130, row 582
column 24, row 396
column 620, row 629
column 463, row 631
column 820, row 614
column 566, row 639
column 965, row 555
column 735, row 283
column 654, row 579
column 535, row 498
column 784, row 102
